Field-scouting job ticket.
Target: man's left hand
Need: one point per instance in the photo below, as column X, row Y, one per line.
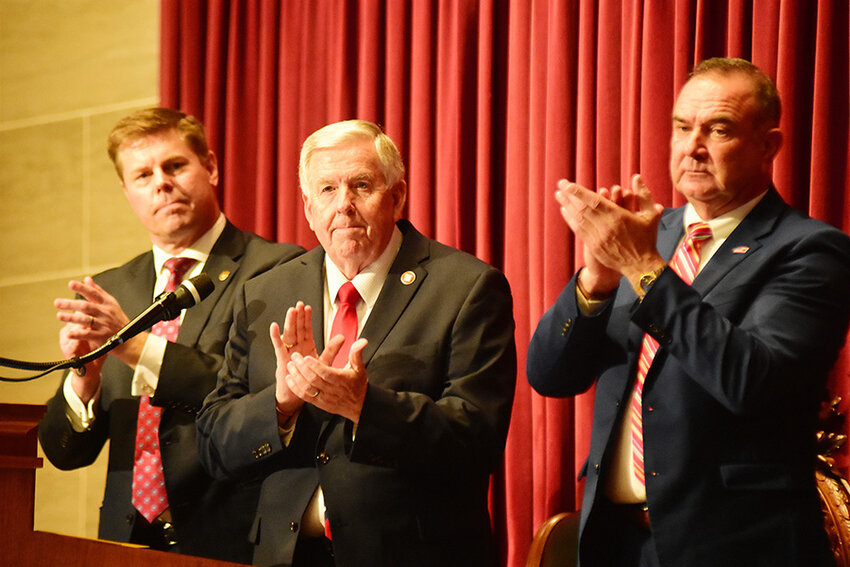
column 341, row 391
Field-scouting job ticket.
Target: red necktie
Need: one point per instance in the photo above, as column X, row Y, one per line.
column 149, row 496
column 345, row 321
column 685, row 263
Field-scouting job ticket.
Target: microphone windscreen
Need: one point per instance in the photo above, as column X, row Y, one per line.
column 203, row 284
column 189, row 293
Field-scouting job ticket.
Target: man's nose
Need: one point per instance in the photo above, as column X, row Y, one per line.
column 345, row 199
column 162, row 180
column 693, row 144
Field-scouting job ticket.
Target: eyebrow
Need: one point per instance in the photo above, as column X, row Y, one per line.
column 721, row 119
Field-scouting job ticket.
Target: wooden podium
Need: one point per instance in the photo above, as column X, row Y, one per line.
column 20, row 545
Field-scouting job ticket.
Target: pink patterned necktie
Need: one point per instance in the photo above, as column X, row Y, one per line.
column 685, row 263
column 149, row 495
column 345, row 321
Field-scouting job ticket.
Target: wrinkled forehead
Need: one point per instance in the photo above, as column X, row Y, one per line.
column 357, row 160
column 713, row 94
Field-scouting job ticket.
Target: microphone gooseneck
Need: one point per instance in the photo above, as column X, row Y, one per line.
column 165, row 307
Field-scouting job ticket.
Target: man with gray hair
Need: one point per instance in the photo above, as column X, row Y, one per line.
column 379, row 405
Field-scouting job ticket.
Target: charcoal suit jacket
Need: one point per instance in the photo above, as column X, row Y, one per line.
column 410, row 488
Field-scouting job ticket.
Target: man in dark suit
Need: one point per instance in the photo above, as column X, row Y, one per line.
column 391, row 445
column 169, row 177
column 706, row 458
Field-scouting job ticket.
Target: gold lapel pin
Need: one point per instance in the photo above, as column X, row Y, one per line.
column 741, row 250
column 224, row 275
column 408, row 277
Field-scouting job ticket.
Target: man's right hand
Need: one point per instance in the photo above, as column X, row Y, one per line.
column 96, row 318
column 296, row 336
column 87, row 385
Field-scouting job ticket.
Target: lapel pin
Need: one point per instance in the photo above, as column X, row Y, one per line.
column 408, row 277
column 224, row 275
column 741, row 250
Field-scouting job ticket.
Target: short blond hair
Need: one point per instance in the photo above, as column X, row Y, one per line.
column 150, row 121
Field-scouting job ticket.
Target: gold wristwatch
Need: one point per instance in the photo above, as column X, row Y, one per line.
column 646, row 280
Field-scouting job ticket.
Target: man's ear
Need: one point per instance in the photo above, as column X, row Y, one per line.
column 772, row 143
column 308, row 209
column 211, row 165
column 399, row 192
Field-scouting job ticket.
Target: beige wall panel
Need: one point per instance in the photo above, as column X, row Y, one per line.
column 30, row 332
column 116, row 234
column 62, row 55
column 41, row 189
column 68, row 70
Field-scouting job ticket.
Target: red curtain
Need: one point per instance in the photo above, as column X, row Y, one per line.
column 491, row 102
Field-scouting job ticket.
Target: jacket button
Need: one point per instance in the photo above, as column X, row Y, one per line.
column 129, row 518
column 293, row 527
column 323, row 459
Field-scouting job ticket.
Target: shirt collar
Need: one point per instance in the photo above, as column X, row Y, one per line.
column 370, row 279
column 722, row 226
column 198, row 250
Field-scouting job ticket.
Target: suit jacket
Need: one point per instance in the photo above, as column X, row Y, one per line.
column 730, row 403
column 411, row 488
column 211, row 518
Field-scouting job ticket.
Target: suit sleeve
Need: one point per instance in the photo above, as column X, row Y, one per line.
column 237, row 428
column 66, row 448
column 761, row 338
column 568, row 349
column 462, row 427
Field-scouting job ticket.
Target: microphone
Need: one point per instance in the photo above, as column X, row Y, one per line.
column 167, row 306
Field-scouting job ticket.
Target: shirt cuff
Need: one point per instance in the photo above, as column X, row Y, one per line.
column 587, row 306
column 146, row 376
column 287, row 431
column 79, row 414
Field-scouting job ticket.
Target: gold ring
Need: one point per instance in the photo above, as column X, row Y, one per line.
column 288, row 346
column 91, row 321
column 316, row 395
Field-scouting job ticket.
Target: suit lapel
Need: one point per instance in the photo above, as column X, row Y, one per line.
column 403, row 280
column 221, row 265
column 136, row 294
column 309, row 283
column 742, row 243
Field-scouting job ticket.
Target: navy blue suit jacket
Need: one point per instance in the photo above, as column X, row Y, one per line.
column 731, row 400
column 211, row 518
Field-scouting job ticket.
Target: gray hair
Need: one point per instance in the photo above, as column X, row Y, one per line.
column 345, row 132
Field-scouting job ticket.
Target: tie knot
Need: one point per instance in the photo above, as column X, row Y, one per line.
column 348, row 294
column 699, row 231
column 177, row 268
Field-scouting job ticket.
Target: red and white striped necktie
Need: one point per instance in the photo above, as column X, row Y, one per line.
column 685, row 263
